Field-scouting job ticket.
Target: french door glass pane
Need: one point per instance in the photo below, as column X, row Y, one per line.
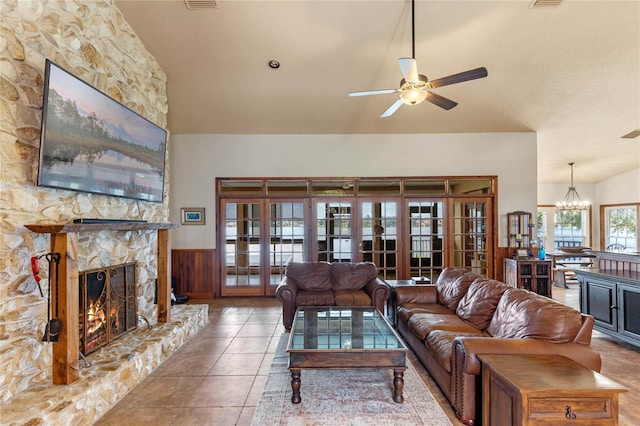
column 286, row 237
column 242, row 244
column 470, row 248
column 380, row 236
column 426, row 232
column 333, row 231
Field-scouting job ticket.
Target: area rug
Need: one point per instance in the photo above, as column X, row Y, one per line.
column 344, row 397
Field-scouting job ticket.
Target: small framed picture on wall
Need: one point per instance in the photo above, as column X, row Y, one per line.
column 192, row 215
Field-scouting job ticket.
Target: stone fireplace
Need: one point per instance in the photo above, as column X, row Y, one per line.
column 107, row 303
column 93, row 40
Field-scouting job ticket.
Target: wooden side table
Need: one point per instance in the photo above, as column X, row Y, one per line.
column 545, row 389
column 531, row 274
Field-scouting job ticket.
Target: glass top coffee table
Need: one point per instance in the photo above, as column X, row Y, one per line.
column 344, row 338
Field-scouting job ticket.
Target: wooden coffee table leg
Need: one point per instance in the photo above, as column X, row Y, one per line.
column 295, row 386
column 398, row 385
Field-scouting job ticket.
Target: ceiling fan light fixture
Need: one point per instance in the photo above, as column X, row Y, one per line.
column 414, row 92
column 413, row 96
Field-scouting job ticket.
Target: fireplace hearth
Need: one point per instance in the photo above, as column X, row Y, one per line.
column 107, row 305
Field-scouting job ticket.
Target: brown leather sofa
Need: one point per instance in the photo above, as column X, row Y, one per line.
column 465, row 315
column 330, row 284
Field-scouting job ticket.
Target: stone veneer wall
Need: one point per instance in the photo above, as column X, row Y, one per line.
column 92, row 41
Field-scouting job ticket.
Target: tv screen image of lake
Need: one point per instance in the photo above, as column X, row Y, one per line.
column 115, row 174
column 92, row 143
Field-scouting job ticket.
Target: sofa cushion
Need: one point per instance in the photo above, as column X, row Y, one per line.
column 423, row 324
column 352, row 298
column 478, row 305
column 352, row 276
column 440, row 344
column 523, row 314
column 452, row 284
column 405, row 311
column 315, row 298
column 310, row 276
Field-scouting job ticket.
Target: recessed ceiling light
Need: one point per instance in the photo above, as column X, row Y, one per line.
column 273, row 64
column 631, row 135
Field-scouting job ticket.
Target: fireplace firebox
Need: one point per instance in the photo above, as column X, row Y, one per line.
column 107, row 305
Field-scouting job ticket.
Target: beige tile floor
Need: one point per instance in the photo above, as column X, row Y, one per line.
column 217, row 377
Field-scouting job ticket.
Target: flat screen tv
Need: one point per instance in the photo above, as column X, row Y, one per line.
column 92, row 143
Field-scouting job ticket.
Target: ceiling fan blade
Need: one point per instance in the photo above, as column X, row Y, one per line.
column 374, row 92
column 409, row 68
column 441, row 101
column 459, row 78
column 393, row 108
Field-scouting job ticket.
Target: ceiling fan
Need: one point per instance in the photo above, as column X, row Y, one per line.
column 414, row 87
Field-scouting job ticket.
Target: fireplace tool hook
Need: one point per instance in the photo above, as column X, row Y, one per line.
column 36, row 273
column 54, row 325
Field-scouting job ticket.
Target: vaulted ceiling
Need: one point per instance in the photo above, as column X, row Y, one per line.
column 571, row 73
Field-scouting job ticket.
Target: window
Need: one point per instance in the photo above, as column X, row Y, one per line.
column 559, row 228
column 571, row 228
column 620, row 227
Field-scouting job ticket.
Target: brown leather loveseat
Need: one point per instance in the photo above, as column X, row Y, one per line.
column 465, row 315
column 330, row 284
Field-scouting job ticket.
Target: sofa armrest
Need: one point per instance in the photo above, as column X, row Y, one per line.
column 416, row 294
column 286, row 292
column 379, row 292
column 467, row 349
column 585, row 332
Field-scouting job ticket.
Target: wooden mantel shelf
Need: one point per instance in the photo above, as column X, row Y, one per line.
column 64, row 240
column 64, row 228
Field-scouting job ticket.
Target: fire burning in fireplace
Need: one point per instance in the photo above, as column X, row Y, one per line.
column 107, row 305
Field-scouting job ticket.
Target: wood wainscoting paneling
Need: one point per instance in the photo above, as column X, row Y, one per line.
column 193, row 271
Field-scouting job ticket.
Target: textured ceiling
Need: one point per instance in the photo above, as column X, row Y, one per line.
column 570, row 73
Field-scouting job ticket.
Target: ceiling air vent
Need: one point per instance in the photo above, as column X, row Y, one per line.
column 200, row 4
column 544, row 3
column 631, row 135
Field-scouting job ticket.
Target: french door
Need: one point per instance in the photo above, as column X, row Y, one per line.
column 333, row 236
column 379, row 237
column 472, row 242
column 259, row 238
column 366, row 231
column 408, row 227
column 425, row 232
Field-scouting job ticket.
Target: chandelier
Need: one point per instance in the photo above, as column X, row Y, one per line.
column 572, row 199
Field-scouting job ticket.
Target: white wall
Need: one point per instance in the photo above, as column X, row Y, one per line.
column 196, row 160
column 623, row 188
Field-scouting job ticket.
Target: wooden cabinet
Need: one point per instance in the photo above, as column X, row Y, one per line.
column 520, row 226
column 533, row 275
column 613, row 299
column 545, row 389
